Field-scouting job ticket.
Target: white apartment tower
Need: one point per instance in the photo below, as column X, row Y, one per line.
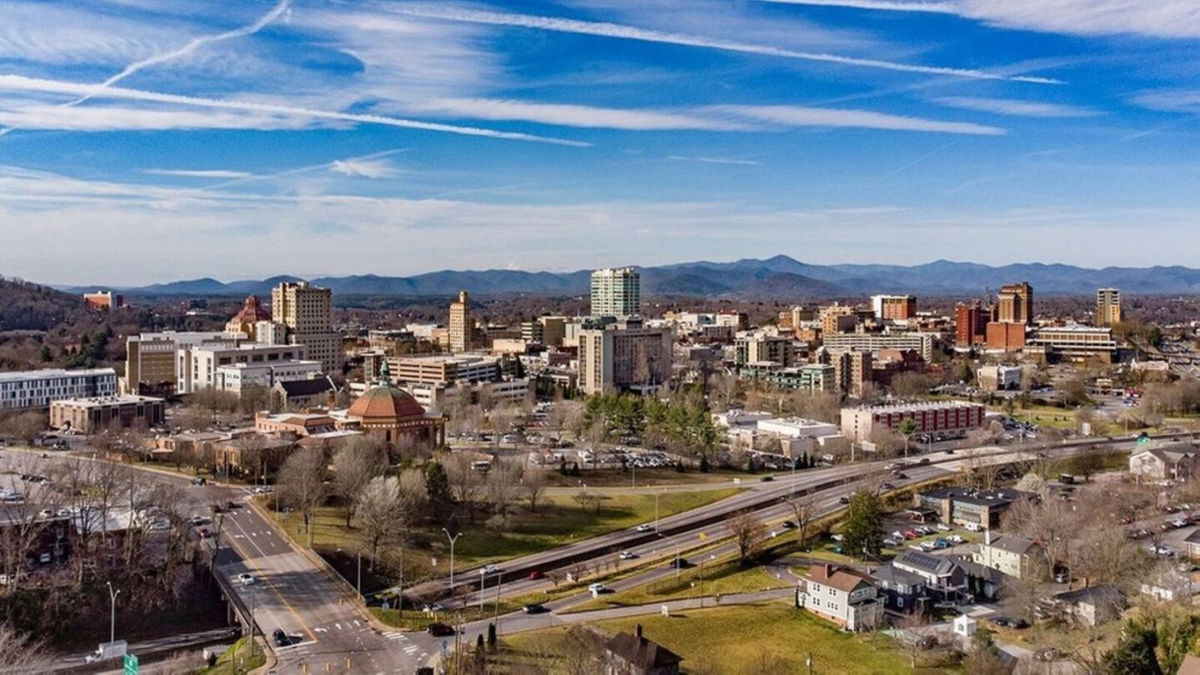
column 616, row 292
column 307, row 311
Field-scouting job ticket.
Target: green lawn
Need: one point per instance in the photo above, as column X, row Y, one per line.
column 237, row 659
column 559, row 520
column 740, row 639
column 721, row 578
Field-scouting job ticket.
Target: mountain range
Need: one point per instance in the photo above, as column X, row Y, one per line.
column 777, row 277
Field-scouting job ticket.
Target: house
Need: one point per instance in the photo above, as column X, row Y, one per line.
column 1193, row 545
column 1168, row 584
column 970, row 507
column 1090, row 606
column 982, row 582
column 902, row 591
column 634, row 654
column 945, row 580
column 1175, row 461
column 842, row 595
column 1010, row 554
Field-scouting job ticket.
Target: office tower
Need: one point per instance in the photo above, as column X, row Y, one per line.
column 970, row 324
column 1108, row 307
column 624, row 359
column 461, row 327
column 616, row 292
column 307, row 312
column 894, row 307
column 1016, row 304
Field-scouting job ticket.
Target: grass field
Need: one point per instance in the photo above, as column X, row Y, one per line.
column 237, row 659
column 742, row 639
column 719, row 578
column 618, row 478
column 559, row 520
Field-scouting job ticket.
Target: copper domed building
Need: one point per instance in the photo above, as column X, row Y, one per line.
column 246, row 320
column 392, row 413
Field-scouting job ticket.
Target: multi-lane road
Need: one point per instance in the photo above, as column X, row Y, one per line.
column 329, row 631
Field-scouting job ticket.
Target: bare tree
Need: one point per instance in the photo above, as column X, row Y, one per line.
column 302, row 484
column 466, row 483
column 533, row 484
column 21, row 654
column 382, row 512
column 502, row 486
column 354, row 466
column 748, row 532
column 587, row 500
column 803, row 511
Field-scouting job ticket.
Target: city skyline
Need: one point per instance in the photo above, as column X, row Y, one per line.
column 252, row 139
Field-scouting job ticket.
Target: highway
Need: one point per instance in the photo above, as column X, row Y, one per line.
column 329, row 630
column 331, row 633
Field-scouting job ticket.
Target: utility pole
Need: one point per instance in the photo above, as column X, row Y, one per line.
column 358, row 581
column 452, row 541
column 253, row 602
column 656, row 495
column 112, row 620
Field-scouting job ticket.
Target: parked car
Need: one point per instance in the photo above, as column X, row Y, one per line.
column 891, row 543
column 439, row 629
column 281, row 638
column 1162, row 551
column 942, row 527
column 909, row 534
column 1008, row 622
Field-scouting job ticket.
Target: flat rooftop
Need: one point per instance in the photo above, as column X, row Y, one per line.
column 46, row 373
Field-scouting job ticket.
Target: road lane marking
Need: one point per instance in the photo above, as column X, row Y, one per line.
column 272, row 586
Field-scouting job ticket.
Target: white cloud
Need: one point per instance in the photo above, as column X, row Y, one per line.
column 26, row 84
column 883, row 5
column 1179, row 100
column 1004, row 106
column 716, row 160
column 363, row 168
column 1157, row 18
column 122, row 118
column 199, row 173
column 575, row 115
column 623, row 32
column 798, row 116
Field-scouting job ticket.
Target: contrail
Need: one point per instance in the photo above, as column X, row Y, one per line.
column 188, row 48
column 21, row 83
column 884, row 5
column 623, row 32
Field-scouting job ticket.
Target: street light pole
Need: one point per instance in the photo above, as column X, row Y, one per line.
column 112, row 620
column 656, row 495
column 358, row 585
column 253, row 602
column 452, row 540
column 482, row 586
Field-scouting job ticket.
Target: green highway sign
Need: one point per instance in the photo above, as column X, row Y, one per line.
column 131, row 664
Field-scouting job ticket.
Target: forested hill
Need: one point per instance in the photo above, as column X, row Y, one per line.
column 28, row 306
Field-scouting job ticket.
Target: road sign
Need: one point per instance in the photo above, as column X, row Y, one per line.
column 131, row 664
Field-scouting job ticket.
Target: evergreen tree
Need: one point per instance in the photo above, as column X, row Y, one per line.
column 1134, row 653
column 863, row 530
column 437, row 486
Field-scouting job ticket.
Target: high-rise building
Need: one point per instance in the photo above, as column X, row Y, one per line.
column 1108, row 307
column 307, row 312
column 970, row 324
column 1015, row 304
column 760, row 349
column 461, row 327
column 852, row 370
column 616, row 292
column 894, row 307
column 837, row 319
column 623, row 359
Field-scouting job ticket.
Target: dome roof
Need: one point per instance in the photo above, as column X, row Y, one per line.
column 252, row 311
column 385, row 402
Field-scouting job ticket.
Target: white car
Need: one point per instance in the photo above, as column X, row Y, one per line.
column 1163, row 551
column 627, row 555
column 492, row 569
column 597, row 588
column 645, row 527
column 245, row 579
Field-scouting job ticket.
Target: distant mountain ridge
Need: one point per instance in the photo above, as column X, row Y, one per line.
column 777, row 277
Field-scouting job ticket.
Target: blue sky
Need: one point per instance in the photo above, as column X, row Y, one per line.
column 148, row 140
